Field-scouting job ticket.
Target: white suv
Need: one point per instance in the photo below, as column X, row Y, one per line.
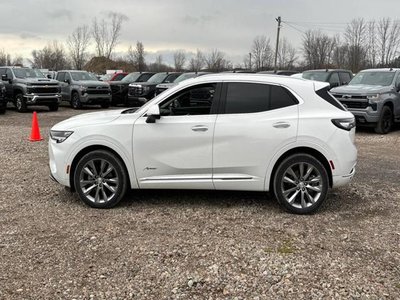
column 224, row 132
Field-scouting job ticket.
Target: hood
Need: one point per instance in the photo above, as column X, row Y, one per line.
column 361, row 89
column 88, row 119
column 143, row 84
column 39, row 81
column 91, row 83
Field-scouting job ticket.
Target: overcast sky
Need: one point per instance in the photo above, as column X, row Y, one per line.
column 168, row 25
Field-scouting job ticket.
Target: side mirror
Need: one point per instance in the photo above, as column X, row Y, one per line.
column 4, row 77
column 67, row 81
column 398, row 87
column 48, row 76
column 153, row 114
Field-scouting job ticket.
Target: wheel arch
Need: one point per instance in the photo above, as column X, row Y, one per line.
column 390, row 105
column 89, row 149
column 307, row 150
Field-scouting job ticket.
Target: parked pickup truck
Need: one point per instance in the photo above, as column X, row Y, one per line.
column 82, row 88
column 3, row 100
column 140, row 93
column 119, row 89
column 164, row 86
column 373, row 96
column 25, row 86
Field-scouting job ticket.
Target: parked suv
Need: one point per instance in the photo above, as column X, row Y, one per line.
column 82, row 88
column 373, row 96
column 164, row 86
column 140, row 93
column 335, row 77
column 25, row 86
column 222, row 132
column 3, row 100
column 119, row 89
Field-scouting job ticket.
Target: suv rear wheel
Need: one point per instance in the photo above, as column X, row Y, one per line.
column 301, row 183
column 100, row 179
column 385, row 122
column 20, row 103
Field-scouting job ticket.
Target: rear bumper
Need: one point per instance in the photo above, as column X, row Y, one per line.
column 340, row 180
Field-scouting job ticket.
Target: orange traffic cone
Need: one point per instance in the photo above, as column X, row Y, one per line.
column 35, row 133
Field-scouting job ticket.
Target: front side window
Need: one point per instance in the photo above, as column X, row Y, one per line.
column 9, row 74
column 61, row 76
column 255, row 97
column 195, row 100
column 83, row 76
column 334, row 79
column 345, row 77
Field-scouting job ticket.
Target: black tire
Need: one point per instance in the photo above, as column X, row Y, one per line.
column 105, row 105
column 102, row 181
column 20, row 103
column 75, row 101
column 385, row 122
column 301, row 191
column 53, row 107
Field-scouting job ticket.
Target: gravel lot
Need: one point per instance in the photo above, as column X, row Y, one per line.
column 194, row 244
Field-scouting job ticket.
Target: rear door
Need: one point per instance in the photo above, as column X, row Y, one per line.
column 256, row 120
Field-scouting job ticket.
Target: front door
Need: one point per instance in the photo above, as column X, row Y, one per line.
column 176, row 150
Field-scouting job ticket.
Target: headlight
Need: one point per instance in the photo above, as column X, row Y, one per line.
column 83, row 89
column 346, row 124
column 60, row 136
column 373, row 97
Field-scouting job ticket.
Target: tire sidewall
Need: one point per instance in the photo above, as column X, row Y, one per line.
column 381, row 123
column 20, row 103
column 75, row 101
column 120, row 170
column 286, row 163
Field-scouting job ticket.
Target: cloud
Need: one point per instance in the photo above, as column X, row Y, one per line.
column 27, row 36
column 201, row 20
column 60, row 13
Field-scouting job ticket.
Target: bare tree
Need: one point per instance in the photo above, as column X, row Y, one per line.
column 136, row 56
column 18, row 60
column 388, row 37
column 5, row 58
column 51, row 57
column 196, row 63
column 372, row 50
column 215, row 61
column 78, row 42
column 179, row 60
column 317, row 49
column 356, row 38
column 106, row 34
column 262, row 54
column 286, row 55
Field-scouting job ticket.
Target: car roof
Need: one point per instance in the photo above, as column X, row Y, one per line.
column 328, row 70
column 382, row 70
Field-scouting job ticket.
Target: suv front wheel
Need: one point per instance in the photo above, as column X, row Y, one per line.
column 100, row 179
column 20, row 103
column 301, row 183
column 76, row 101
column 385, row 122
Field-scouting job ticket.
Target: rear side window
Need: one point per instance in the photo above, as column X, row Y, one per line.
column 254, row 97
column 324, row 94
column 246, row 98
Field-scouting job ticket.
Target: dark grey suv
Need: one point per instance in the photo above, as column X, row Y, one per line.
column 373, row 96
column 83, row 88
column 25, row 86
column 335, row 77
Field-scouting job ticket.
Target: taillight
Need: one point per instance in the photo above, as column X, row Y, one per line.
column 346, row 124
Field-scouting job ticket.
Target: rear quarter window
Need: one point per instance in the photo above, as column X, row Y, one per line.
column 324, row 94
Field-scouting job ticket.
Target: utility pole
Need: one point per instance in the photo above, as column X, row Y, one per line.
column 277, row 42
column 250, row 61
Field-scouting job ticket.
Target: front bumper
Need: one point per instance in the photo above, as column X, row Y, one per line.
column 37, row 99
column 364, row 116
column 95, row 99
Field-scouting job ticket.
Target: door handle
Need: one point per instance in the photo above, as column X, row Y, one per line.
column 200, row 128
column 281, row 125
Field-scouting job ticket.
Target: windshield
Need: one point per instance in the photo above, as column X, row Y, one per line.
column 83, row 76
column 317, row 76
column 185, row 76
column 373, row 78
column 157, row 78
column 131, row 77
column 28, row 73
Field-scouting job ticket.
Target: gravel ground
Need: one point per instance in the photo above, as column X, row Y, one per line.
column 194, row 244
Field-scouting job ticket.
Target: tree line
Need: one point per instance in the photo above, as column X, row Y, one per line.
column 363, row 44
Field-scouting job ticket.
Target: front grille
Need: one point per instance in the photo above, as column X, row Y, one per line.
column 355, row 104
column 102, row 90
column 44, row 90
column 135, row 91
